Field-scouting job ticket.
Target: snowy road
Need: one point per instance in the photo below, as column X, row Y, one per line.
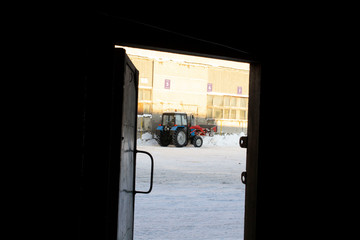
column 197, row 193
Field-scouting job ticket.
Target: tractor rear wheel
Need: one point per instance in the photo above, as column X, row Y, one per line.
column 179, row 138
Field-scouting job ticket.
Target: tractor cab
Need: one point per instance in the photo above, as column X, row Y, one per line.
column 174, row 119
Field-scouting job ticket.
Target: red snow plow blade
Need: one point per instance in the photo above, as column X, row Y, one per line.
column 203, row 130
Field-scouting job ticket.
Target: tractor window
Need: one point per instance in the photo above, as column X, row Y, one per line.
column 168, row 120
column 184, row 120
column 178, row 120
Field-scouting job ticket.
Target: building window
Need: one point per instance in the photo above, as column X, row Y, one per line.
column 243, row 102
column 144, row 94
column 226, row 114
column 226, row 101
column 209, row 113
column 218, row 113
column 144, row 108
column 144, row 101
column 210, row 100
column 241, row 115
column 218, row 101
column 233, row 102
column 233, row 114
column 227, row 107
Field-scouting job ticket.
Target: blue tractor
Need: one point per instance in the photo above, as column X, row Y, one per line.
column 176, row 128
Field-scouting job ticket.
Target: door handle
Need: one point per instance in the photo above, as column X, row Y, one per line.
column 243, row 177
column 151, row 174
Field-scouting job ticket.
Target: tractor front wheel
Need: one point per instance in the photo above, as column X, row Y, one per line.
column 197, row 141
column 163, row 139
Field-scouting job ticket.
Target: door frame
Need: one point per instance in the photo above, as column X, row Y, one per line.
column 252, row 156
column 252, row 153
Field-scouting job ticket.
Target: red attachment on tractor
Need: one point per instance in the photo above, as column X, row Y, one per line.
column 199, row 129
column 202, row 131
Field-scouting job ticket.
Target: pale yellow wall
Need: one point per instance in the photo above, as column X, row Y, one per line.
column 226, row 80
column 145, row 67
column 187, row 88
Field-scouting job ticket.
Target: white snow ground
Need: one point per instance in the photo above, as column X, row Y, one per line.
column 197, row 192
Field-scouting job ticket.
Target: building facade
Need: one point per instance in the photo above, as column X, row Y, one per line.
column 214, row 91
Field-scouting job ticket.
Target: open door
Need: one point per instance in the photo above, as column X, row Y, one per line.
column 126, row 83
column 129, row 76
column 107, row 167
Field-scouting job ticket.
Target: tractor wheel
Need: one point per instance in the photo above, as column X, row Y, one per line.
column 163, row 139
column 179, row 138
column 197, row 141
